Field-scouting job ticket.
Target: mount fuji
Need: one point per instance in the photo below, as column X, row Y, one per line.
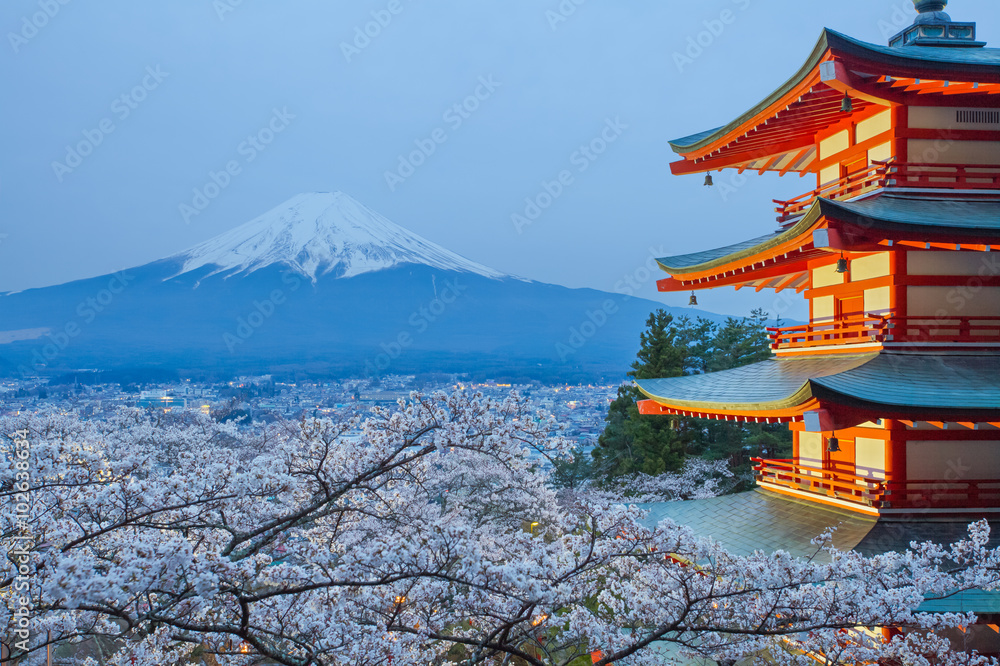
column 323, row 285
column 322, row 234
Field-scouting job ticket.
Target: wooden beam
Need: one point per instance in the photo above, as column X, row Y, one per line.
column 729, row 278
column 795, row 160
column 949, row 134
column 770, row 163
column 926, row 85
column 868, row 144
column 786, row 281
column 683, row 167
column 836, row 75
column 803, row 88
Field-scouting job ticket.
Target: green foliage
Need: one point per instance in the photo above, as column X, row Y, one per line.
column 573, row 472
column 672, row 347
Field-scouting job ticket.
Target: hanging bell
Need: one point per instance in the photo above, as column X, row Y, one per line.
column 846, row 105
column 693, row 300
column 842, row 265
column 708, row 180
column 833, row 445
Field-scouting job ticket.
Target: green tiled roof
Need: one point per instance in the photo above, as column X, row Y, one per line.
column 948, row 217
column 760, row 520
column 771, row 384
column 894, row 211
column 918, row 381
column 921, row 381
column 954, row 64
column 706, row 258
column 968, row 601
column 897, row 534
column 765, row 521
column 984, row 62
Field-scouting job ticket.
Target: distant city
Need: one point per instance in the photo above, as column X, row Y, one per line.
column 580, row 409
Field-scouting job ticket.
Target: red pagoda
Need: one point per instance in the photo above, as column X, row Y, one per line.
column 892, row 390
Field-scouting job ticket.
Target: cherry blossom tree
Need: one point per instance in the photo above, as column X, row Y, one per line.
column 428, row 534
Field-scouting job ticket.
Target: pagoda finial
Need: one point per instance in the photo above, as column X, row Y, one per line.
column 930, row 5
column 933, row 27
column 931, row 11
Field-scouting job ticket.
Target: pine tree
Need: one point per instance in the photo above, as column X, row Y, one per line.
column 740, row 342
column 634, row 443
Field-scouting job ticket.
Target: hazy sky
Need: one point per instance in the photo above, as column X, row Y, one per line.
column 182, row 85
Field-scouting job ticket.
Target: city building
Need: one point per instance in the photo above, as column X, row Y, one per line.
column 160, row 399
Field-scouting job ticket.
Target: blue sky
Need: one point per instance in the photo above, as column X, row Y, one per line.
column 293, row 97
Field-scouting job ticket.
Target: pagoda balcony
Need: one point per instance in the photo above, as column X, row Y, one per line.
column 842, row 484
column 834, row 484
column 892, row 174
column 887, row 331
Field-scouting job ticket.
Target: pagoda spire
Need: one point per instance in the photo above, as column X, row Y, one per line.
column 934, row 27
column 930, row 5
column 931, row 11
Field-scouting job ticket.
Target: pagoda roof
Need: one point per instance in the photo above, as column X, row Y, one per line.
column 917, row 386
column 721, row 255
column 759, row 520
column 948, row 215
column 865, row 223
column 769, row 385
column 778, row 133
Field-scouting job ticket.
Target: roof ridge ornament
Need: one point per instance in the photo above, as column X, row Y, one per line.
column 930, row 5
column 933, row 27
column 931, row 11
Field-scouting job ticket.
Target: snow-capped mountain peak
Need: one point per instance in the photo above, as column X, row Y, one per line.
column 322, row 233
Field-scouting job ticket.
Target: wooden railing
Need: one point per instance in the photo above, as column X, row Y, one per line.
column 850, row 186
column 868, row 329
column 948, row 176
column 829, row 483
column 890, row 174
column 961, row 330
column 851, row 331
column 948, row 494
column 843, row 484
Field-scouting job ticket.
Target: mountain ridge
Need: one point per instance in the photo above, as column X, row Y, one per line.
column 319, row 234
column 321, row 283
